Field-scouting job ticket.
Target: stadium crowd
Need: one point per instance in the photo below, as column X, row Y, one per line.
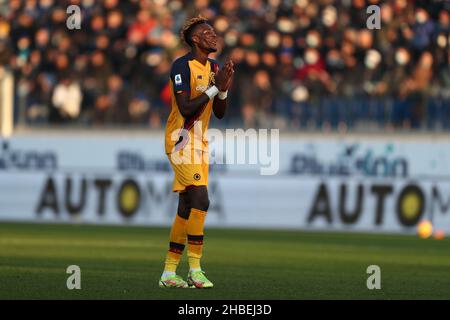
column 299, row 63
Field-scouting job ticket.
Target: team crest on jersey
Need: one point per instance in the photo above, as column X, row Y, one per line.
column 212, row 80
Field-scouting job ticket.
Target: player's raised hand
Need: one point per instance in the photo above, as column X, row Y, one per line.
column 224, row 76
column 221, row 79
column 229, row 70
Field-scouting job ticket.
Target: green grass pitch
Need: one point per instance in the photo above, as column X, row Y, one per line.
column 126, row 262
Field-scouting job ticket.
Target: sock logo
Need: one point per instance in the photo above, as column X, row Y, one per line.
column 197, row 176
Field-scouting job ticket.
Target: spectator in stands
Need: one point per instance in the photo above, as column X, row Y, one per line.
column 66, row 100
column 318, row 55
column 416, row 88
column 118, row 98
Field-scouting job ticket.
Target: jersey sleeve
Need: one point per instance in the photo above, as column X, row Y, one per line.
column 180, row 76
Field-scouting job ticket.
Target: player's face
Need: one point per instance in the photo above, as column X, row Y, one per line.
column 207, row 38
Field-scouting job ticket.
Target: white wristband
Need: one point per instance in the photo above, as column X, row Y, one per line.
column 212, row 92
column 223, row 95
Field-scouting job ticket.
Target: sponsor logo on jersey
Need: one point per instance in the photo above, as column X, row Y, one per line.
column 201, row 88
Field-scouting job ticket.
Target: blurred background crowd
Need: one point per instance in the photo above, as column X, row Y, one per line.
column 300, row 64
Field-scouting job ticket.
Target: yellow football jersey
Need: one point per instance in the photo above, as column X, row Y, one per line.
column 189, row 75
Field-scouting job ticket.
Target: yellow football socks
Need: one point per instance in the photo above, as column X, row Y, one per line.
column 195, row 226
column 177, row 243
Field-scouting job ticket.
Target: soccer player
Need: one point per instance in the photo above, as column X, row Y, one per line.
column 198, row 89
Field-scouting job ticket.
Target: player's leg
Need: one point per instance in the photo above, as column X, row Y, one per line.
column 199, row 201
column 177, row 242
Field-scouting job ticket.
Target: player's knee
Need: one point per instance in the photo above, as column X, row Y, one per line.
column 205, row 204
column 184, row 207
column 201, row 203
column 184, row 213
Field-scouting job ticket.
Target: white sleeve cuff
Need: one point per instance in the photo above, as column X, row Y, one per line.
column 212, row 92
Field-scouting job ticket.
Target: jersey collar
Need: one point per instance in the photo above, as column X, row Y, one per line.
column 203, row 66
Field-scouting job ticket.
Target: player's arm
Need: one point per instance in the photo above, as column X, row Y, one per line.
column 220, row 101
column 188, row 107
column 219, row 107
